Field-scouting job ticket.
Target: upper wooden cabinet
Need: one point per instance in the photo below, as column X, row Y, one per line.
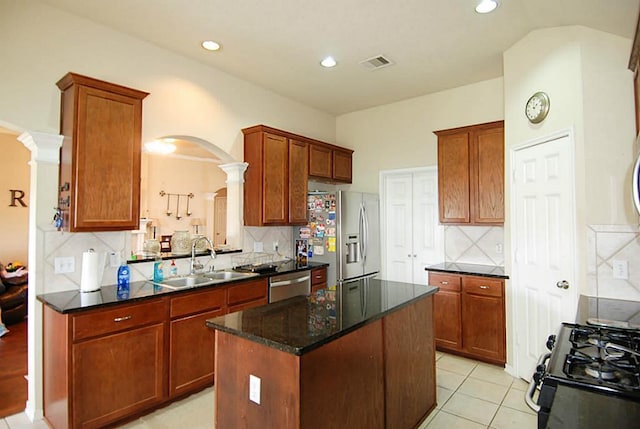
column 330, row 163
column 280, row 165
column 471, row 174
column 275, row 189
column 100, row 155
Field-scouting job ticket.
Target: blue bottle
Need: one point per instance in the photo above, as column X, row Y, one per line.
column 158, row 271
column 123, row 282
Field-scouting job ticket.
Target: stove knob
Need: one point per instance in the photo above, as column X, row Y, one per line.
column 537, row 377
column 551, row 341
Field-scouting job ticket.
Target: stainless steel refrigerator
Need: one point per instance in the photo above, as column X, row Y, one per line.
column 344, row 231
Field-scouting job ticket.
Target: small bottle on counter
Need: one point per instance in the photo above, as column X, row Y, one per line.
column 123, row 281
column 158, row 274
column 173, row 270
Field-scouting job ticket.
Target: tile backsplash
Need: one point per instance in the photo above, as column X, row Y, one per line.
column 65, row 244
column 474, row 244
column 606, row 244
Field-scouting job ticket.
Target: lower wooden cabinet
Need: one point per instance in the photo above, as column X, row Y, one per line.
column 117, row 375
column 190, row 366
column 318, row 279
column 105, row 365
column 93, row 378
column 247, row 294
column 469, row 316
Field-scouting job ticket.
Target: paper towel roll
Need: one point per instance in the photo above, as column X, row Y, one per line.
column 90, row 298
column 92, row 270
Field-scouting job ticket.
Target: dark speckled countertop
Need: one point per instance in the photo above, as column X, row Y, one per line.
column 301, row 324
column 73, row 300
column 469, row 269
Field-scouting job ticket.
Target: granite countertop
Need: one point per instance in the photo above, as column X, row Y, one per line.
column 303, row 323
column 591, row 307
column 469, row 269
column 73, row 300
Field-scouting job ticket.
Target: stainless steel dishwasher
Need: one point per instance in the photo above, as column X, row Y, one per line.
column 288, row 285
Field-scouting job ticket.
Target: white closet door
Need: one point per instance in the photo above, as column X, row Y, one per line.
column 428, row 234
column 413, row 238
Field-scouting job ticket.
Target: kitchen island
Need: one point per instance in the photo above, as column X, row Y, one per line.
column 361, row 355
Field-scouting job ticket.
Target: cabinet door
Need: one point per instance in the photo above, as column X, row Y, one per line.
column 483, row 324
column 117, row 375
column 275, row 179
column 342, row 165
column 487, row 176
column 298, row 182
column 192, row 352
column 320, row 159
column 453, row 178
column 447, row 320
column 100, row 157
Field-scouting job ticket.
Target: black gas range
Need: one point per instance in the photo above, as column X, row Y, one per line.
column 590, row 379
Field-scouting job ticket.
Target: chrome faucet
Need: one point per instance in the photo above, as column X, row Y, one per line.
column 196, row 266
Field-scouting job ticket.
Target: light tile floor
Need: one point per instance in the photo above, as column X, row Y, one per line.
column 470, row 395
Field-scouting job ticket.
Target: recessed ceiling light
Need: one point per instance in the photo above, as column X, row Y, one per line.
column 486, row 6
column 328, row 62
column 210, row 45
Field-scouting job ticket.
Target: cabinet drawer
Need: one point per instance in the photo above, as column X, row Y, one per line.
column 250, row 292
column 118, row 319
column 445, row 281
column 319, row 276
column 209, row 300
column 483, row 286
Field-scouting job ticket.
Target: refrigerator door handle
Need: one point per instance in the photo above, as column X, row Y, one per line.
column 364, row 226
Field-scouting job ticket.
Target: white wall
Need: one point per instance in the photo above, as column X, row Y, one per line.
column 400, row 135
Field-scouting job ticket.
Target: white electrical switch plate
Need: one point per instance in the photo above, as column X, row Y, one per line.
column 620, row 269
column 254, row 389
column 257, row 246
column 499, row 248
column 63, row 265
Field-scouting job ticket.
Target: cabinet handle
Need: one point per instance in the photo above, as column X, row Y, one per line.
column 444, row 283
column 484, row 287
column 122, row 319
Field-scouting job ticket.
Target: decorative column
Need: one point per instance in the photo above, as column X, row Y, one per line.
column 43, row 196
column 235, row 202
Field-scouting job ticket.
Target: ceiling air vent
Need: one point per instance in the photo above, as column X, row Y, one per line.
column 377, row 62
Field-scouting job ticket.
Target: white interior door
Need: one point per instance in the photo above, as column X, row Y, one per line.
column 397, row 211
column 413, row 237
column 428, row 234
column 543, row 239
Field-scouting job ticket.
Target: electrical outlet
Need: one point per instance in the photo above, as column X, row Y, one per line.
column 275, row 246
column 114, row 259
column 620, row 269
column 499, row 248
column 254, row 389
column 63, row 265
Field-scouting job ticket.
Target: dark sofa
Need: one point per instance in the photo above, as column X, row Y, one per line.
column 13, row 298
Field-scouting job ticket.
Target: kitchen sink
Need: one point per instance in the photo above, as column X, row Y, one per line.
column 203, row 279
column 218, row 276
column 184, row 282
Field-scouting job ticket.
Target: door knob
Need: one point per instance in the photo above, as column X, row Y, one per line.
column 563, row 284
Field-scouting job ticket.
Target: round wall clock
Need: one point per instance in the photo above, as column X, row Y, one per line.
column 537, row 107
